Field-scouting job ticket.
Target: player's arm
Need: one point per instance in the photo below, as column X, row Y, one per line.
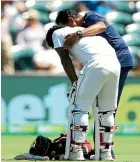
column 95, row 29
column 58, row 41
column 67, row 63
column 96, row 26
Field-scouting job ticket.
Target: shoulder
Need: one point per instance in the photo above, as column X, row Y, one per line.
column 60, row 32
column 92, row 18
column 93, row 15
column 56, row 34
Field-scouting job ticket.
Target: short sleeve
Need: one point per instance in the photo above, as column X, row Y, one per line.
column 58, row 39
column 91, row 19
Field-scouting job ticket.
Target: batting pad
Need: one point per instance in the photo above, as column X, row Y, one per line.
column 28, row 156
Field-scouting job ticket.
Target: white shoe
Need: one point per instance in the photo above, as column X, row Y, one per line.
column 76, row 154
column 106, row 156
column 92, row 157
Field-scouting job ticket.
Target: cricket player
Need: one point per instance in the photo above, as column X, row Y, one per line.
column 98, row 25
column 98, row 77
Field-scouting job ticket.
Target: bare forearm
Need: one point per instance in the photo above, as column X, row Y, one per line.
column 94, row 29
column 69, row 69
column 67, row 63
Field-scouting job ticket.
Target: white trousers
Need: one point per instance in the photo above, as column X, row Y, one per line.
column 95, row 82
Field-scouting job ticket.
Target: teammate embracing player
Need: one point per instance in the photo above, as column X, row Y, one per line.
column 98, row 25
column 98, row 77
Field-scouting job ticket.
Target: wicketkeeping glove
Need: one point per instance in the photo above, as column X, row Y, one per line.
column 72, row 92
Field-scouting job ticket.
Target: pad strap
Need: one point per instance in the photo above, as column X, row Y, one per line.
column 73, row 143
column 79, row 128
column 111, row 129
column 103, row 144
column 106, row 112
column 108, row 129
column 79, row 111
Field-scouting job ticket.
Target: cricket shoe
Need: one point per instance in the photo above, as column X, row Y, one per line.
column 76, row 154
column 106, row 156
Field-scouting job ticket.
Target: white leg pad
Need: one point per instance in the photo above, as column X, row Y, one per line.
column 77, row 131
column 107, row 121
column 79, row 126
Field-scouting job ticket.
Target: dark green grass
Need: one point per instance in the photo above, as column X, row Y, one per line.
column 127, row 148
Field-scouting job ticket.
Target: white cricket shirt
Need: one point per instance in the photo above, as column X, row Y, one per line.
column 93, row 49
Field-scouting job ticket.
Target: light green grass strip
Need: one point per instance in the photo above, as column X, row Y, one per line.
column 127, row 148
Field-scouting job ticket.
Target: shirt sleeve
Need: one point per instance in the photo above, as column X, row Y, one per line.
column 58, row 39
column 93, row 19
